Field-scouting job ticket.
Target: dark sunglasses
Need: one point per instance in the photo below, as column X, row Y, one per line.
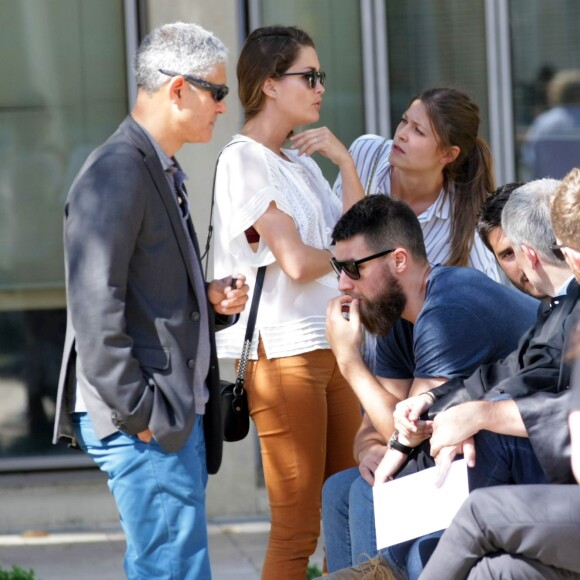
column 218, row 92
column 311, row 76
column 350, row 267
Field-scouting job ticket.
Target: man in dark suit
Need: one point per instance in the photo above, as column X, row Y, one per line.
column 530, row 531
column 139, row 381
column 507, row 403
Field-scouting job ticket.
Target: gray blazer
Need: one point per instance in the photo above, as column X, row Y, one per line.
column 133, row 315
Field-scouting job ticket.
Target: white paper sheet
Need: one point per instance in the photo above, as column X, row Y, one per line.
column 413, row 506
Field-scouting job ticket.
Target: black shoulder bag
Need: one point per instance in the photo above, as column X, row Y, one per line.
column 235, row 412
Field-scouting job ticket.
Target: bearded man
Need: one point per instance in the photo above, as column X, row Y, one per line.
column 435, row 323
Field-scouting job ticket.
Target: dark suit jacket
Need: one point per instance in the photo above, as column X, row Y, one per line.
column 546, row 414
column 133, row 314
column 537, row 376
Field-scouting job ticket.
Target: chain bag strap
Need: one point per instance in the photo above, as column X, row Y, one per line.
column 205, row 255
column 234, row 398
column 242, row 365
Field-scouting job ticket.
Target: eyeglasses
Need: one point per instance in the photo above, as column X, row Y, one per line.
column 350, row 267
column 218, row 92
column 311, row 76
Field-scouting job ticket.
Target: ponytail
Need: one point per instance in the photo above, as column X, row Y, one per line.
column 455, row 119
column 473, row 182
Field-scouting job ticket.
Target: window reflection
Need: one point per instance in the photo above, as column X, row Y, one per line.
column 67, row 92
column 31, row 345
column 436, row 44
column 552, row 143
column 546, row 86
column 31, row 196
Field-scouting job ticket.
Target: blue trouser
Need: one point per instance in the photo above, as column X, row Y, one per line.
column 161, row 500
column 346, row 507
column 503, row 460
column 349, row 529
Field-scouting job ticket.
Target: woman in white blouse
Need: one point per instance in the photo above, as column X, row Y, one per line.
column 274, row 208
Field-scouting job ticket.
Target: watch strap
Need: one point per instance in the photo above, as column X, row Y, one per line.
column 394, row 443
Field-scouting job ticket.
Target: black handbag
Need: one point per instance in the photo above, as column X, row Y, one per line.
column 234, row 398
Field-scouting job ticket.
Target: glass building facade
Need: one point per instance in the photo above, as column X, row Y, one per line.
column 64, row 91
column 67, row 86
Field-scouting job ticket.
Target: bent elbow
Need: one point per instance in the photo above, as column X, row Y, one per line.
column 298, row 274
column 297, row 271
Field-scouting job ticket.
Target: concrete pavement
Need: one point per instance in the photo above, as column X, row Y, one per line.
column 236, row 550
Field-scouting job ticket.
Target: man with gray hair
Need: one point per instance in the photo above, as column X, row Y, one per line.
column 495, row 417
column 139, row 388
column 501, row 411
column 525, row 220
column 529, row 531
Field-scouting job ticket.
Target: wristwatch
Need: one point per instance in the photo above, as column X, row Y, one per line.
column 394, row 443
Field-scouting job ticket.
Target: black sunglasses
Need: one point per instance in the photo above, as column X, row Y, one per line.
column 218, row 92
column 311, row 76
column 350, row 267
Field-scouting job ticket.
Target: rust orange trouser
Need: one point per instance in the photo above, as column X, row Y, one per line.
column 306, row 416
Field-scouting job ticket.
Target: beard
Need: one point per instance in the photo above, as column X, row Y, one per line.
column 380, row 315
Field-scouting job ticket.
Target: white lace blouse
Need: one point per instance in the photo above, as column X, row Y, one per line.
column 291, row 315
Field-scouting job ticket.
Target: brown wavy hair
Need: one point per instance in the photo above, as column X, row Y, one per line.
column 455, row 120
column 565, row 216
column 565, row 211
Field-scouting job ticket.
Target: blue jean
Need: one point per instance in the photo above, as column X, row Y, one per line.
column 161, row 500
column 419, row 552
column 347, row 519
column 349, row 529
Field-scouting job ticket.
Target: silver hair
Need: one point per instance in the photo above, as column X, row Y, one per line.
column 180, row 47
column 525, row 218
